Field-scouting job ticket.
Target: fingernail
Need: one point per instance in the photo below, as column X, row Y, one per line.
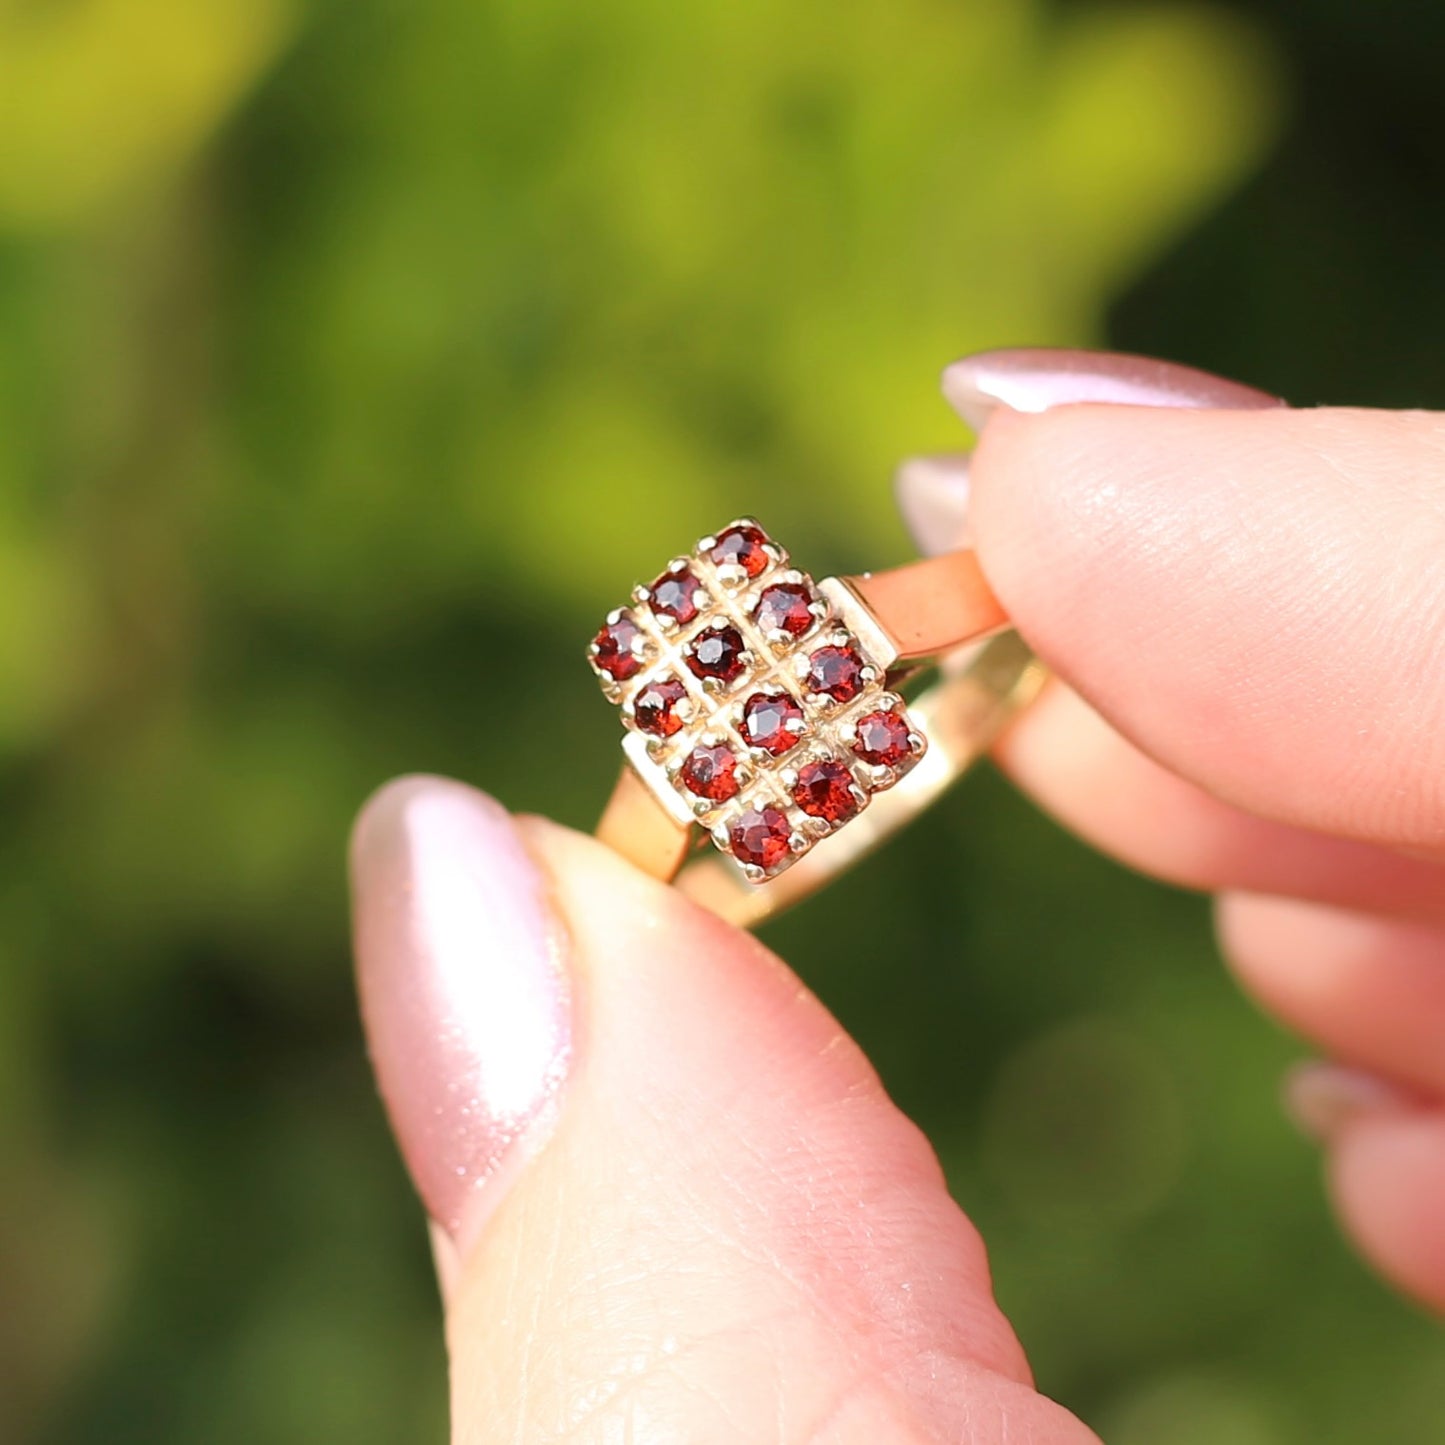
column 934, row 498
column 1321, row 1098
column 932, row 495
column 463, row 991
column 1036, row 378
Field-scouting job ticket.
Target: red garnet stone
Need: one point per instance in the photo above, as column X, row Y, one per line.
column 655, row 707
column 760, row 836
column 784, row 608
column 614, row 649
column 836, row 672
column 711, row 773
column 765, row 722
column 882, row 739
column 825, row 790
column 672, row 596
column 743, row 547
column 717, row 652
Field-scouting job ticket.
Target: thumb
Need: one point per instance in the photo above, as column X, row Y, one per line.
column 672, row 1200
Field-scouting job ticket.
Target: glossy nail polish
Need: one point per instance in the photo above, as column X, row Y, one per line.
column 1322, row 1097
column 932, row 495
column 933, row 492
column 464, row 992
column 1037, row 378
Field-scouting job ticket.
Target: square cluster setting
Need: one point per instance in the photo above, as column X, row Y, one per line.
column 751, row 707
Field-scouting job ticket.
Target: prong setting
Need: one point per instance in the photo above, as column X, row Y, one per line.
column 754, row 708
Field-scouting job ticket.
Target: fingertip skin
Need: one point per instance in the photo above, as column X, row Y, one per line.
column 729, row 1206
column 661, row 1175
column 1253, row 597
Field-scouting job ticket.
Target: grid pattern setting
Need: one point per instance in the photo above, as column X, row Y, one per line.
column 751, row 707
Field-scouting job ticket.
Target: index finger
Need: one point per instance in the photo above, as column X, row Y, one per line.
column 1252, row 597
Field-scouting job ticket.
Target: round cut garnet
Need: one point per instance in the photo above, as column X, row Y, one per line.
column 882, row 739
column 766, row 719
column 784, row 607
column 655, row 707
column 673, row 595
column 717, row 652
column 741, row 546
column 711, row 773
column 825, row 790
column 616, row 645
column 837, row 672
column 760, row 836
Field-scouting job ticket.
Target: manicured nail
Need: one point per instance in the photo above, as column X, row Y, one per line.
column 932, row 495
column 463, row 990
column 934, row 499
column 1321, row 1098
column 1036, row 378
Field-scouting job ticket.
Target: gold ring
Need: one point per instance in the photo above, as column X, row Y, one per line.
column 763, row 708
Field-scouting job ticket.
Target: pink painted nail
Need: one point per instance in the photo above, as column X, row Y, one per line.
column 934, row 501
column 1321, row 1097
column 463, row 991
column 932, row 495
column 1036, row 378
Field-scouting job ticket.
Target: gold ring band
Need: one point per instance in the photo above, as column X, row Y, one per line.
column 763, row 707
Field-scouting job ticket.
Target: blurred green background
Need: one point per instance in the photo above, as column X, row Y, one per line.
column 346, row 346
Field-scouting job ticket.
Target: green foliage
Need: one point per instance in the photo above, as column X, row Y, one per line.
column 340, row 349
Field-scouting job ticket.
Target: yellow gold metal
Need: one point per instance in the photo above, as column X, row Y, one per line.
column 635, row 825
column 931, row 606
column 937, row 610
column 962, row 714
